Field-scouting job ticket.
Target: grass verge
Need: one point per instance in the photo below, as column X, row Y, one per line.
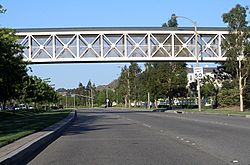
column 231, row 110
column 17, row 124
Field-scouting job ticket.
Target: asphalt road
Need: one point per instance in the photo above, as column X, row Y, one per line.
column 114, row 137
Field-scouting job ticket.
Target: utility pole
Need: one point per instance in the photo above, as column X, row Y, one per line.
column 89, row 97
column 92, row 100
column 129, row 101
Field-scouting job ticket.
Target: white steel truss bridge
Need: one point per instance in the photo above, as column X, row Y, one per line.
column 127, row 44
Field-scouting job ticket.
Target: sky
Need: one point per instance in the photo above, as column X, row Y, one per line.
column 109, row 13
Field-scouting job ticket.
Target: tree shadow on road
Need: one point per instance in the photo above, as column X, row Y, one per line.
column 87, row 122
column 82, row 125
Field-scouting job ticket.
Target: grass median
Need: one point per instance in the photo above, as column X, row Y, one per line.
column 17, row 124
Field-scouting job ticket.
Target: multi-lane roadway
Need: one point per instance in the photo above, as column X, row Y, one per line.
column 114, row 137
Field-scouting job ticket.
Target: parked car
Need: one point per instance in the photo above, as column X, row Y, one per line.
column 30, row 107
column 23, row 106
column 16, row 107
column 20, row 106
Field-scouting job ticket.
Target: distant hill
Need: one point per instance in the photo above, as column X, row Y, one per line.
column 111, row 85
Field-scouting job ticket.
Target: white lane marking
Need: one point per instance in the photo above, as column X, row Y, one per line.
column 146, row 125
column 188, row 118
column 129, row 119
column 193, row 144
column 235, row 161
column 182, row 139
column 177, row 137
column 187, row 141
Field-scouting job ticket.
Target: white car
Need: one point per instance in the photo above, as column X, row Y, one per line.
column 20, row 106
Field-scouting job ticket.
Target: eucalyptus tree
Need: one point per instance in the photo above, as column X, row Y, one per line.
column 164, row 79
column 149, row 86
column 172, row 76
column 237, row 47
column 134, row 73
column 170, row 80
column 90, row 93
column 123, row 88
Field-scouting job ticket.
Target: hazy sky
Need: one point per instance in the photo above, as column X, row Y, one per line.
column 109, row 13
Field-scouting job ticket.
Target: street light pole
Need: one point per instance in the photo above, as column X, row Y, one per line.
column 107, row 96
column 197, row 56
column 129, row 102
column 66, row 99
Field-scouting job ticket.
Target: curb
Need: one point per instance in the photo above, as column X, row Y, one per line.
column 205, row 113
column 247, row 116
column 237, row 115
column 25, row 149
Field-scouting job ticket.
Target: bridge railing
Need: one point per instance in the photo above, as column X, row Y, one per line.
column 121, row 44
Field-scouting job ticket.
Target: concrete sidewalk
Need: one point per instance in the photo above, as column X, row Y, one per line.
column 24, row 149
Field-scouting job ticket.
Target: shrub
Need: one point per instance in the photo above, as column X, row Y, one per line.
column 229, row 97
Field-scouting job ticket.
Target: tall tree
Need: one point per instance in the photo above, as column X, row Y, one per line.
column 123, row 87
column 174, row 82
column 149, row 83
column 2, row 10
column 12, row 66
column 172, row 22
column 165, row 79
column 171, row 78
column 237, row 47
column 89, row 89
column 134, row 72
column 35, row 90
column 27, row 93
column 80, row 91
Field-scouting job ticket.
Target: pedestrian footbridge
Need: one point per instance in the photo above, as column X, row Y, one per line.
column 125, row 44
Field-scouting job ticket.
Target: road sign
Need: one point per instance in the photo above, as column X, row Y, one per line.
column 198, row 72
